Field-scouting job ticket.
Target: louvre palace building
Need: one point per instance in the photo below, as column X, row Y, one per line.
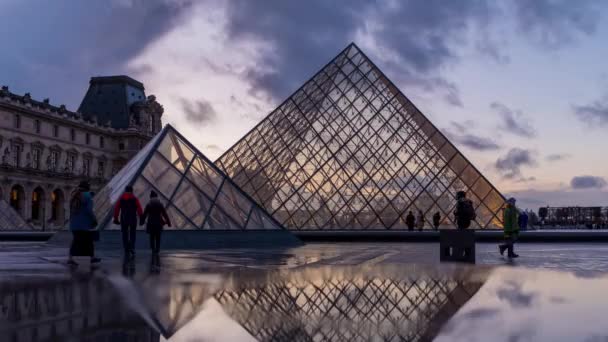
column 46, row 150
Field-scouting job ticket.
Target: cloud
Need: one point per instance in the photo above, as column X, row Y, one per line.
column 213, row 147
column 413, row 40
column 461, row 135
column 595, row 113
column 514, row 122
column 588, row 182
column 510, row 165
column 512, row 293
column 557, row 157
column 198, row 112
column 75, row 40
column 556, row 23
column 475, row 142
column 535, row 198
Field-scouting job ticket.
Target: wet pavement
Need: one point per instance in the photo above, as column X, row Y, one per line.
column 37, row 258
column 316, row 292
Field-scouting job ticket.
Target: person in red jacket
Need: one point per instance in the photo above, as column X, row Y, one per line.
column 129, row 211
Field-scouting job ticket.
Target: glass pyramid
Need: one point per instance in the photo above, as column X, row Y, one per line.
column 10, row 219
column 349, row 151
column 196, row 193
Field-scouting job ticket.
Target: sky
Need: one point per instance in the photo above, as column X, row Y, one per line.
column 520, row 87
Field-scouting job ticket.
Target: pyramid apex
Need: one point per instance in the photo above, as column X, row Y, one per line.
column 365, row 156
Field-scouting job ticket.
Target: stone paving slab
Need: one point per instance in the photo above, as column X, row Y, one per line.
column 581, row 258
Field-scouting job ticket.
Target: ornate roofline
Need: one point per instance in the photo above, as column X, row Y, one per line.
column 45, row 110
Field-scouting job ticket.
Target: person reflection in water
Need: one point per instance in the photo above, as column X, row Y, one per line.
column 156, row 217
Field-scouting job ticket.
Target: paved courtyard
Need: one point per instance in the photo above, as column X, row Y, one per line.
column 322, row 291
column 36, row 258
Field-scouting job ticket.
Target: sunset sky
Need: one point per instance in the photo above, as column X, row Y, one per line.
column 521, row 87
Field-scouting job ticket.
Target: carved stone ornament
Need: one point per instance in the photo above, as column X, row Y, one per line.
column 6, row 156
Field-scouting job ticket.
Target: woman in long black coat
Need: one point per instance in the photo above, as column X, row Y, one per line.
column 157, row 217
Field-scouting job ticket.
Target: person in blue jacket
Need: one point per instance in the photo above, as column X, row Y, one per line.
column 82, row 224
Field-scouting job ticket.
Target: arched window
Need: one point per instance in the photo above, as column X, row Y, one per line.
column 17, row 200
column 57, row 207
column 38, row 200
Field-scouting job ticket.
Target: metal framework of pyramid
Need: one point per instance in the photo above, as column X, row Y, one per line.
column 196, row 194
column 348, row 151
column 345, row 307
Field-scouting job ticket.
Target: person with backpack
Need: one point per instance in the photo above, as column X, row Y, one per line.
column 410, row 221
column 436, row 220
column 420, row 220
column 82, row 224
column 523, row 220
column 129, row 210
column 511, row 229
column 464, row 213
column 157, row 217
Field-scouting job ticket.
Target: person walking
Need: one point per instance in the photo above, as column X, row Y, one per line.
column 464, row 213
column 129, row 210
column 420, row 221
column 410, row 221
column 157, row 217
column 82, row 224
column 436, row 220
column 522, row 221
column 511, row 229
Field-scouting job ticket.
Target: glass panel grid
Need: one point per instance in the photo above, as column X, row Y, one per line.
column 365, row 155
column 196, row 194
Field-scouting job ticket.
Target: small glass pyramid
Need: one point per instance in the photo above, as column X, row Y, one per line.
column 10, row 219
column 348, row 151
column 196, row 194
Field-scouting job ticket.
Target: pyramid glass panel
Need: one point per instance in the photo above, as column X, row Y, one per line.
column 10, row 218
column 196, row 194
column 349, row 151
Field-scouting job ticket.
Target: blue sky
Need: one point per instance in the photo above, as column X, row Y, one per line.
column 520, row 86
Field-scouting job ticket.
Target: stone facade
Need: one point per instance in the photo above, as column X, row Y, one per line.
column 47, row 150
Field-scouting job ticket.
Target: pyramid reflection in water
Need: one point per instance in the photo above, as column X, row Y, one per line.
column 314, row 304
column 349, row 151
column 196, row 193
column 340, row 305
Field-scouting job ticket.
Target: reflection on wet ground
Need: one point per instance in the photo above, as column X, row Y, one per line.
column 322, row 292
column 321, row 304
column 328, row 303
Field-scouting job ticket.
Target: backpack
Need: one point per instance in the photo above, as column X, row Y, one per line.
column 76, row 202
